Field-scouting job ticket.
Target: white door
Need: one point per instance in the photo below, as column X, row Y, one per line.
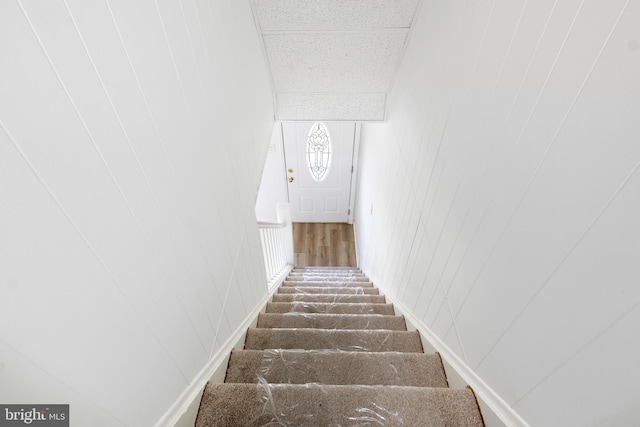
column 319, row 174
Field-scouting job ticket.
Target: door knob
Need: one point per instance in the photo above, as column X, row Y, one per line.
column 290, row 179
column 290, row 170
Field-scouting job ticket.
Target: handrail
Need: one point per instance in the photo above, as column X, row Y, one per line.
column 262, row 224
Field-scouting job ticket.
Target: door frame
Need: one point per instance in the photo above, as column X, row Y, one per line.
column 354, row 173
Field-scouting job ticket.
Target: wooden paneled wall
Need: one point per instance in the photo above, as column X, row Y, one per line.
column 500, row 201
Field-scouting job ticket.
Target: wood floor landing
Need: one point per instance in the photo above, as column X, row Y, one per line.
column 324, row 244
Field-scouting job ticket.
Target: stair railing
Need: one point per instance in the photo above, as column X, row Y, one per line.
column 277, row 245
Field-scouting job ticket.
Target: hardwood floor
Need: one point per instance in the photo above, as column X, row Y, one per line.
column 324, row 244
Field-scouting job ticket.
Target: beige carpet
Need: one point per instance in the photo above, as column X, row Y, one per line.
column 329, row 351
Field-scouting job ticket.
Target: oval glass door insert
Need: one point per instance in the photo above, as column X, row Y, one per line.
column 319, row 151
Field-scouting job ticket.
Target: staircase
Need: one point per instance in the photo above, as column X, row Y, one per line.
column 329, row 351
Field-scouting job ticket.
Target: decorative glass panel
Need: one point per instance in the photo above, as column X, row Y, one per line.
column 319, row 151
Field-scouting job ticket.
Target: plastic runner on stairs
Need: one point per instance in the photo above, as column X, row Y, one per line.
column 330, row 351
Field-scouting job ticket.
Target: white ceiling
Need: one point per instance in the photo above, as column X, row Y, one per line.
column 333, row 59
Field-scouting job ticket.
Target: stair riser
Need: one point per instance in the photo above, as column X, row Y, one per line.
column 331, row 321
column 328, row 290
column 339, row 368
column 330, row 298
column 328, row 284
column 322, row 278
column 325, row 274
column 318, row 339
column 305, row 307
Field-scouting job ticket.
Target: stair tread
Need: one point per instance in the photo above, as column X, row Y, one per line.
column 327, row 283
column 336, row 367
column 326, row 278
column 327, row 290
column 314, row 405
column 331, row 321
column 349, row 274
column 341, row 339
column 330, row 298
column 337, row 308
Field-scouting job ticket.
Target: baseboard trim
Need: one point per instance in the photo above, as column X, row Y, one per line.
column 481, row 389
column 182, row 412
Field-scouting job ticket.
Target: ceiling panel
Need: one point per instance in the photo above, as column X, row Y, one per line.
column 334, row 62
column 331, row 106
column 319, row 15
column 333, row 59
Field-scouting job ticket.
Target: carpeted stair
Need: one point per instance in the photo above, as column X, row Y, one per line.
column 329, row 351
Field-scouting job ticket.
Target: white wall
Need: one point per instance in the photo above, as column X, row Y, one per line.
column 500, row 200
column 129, row 250
column 273, row 188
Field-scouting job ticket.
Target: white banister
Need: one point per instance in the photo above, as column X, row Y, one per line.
column 277, row 245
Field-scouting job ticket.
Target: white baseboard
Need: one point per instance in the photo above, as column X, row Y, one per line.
column 494, row 409
column 184, row 410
